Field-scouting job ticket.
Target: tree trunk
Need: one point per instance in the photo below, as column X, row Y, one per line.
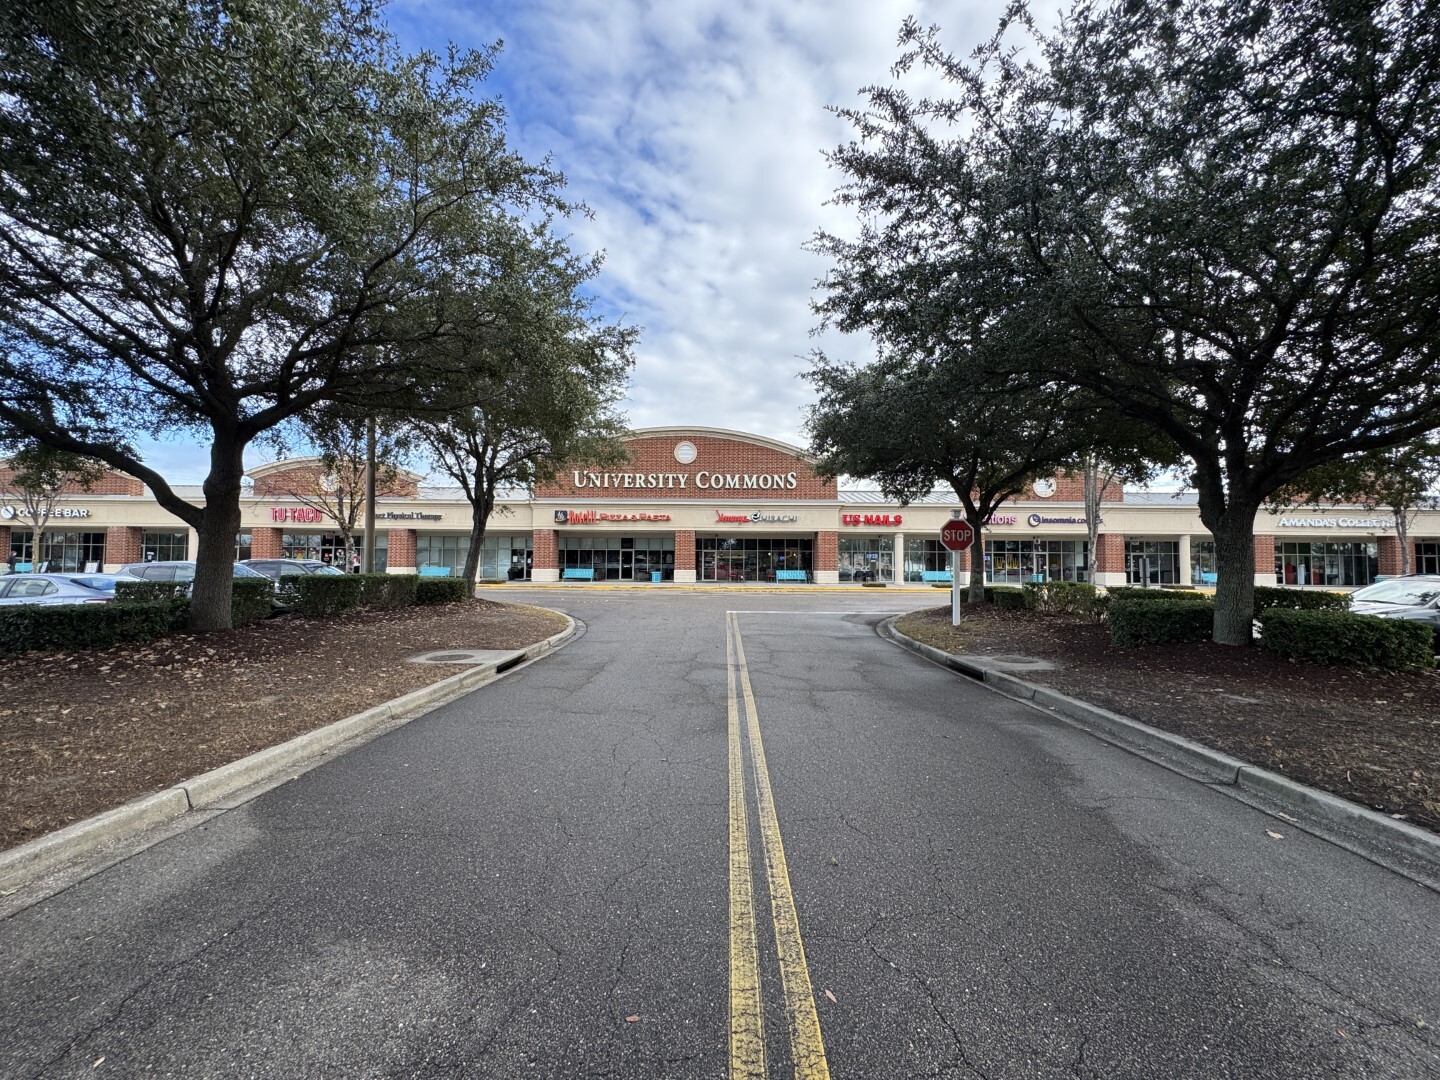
column 219, row 524
column 977, row 567
column 1235, row 578
column 1402, row 537
column 480, row 507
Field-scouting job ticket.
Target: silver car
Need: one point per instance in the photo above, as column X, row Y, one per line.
column 1415, row 597
column 57, row 589
column 174, row 570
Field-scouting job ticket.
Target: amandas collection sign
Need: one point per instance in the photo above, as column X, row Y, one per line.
column 703, row 481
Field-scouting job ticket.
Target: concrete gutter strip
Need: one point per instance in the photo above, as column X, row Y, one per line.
column 84, row 837
column 208, row 790
column 1355, row 827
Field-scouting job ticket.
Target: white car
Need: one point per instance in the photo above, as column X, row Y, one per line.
column 1415, row 597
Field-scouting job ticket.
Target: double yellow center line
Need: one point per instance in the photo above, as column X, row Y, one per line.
column 747, row 1022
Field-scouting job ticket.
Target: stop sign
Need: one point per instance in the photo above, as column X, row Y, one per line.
column 957, row 535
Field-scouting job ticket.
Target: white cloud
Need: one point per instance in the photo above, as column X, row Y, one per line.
column 696, row 130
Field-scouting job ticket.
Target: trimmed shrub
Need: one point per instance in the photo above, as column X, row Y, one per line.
column 1268, row 597
column 1340, row 639
column 387, row 590
column 319, row 595
column 24, row 627
column 1009, row 599
column 442, row 590
column 1156, row 596
column 1161, row 624
column 137, row 591
column 251, row 600
column 1062, row 597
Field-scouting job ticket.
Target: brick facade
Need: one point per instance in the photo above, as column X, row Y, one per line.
column 112, row 483
column 123, row 544
column 1110, row 553
column 654, row 474
column 267, row 543
column 308, row 478
column 685, row 549
column 545, row 549
column 400, row 557
column 1389, row 555
column 1265, row 557
column 827, row 551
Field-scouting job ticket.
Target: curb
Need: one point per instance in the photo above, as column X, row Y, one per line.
column 209, row 790
column 1368, row 833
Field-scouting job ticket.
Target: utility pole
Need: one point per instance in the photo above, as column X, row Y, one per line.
column 369, row 562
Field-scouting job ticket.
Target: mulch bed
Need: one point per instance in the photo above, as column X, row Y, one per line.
column 1372, row 737
column 84, row 732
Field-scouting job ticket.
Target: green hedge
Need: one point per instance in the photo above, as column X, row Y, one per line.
column 1340, row 639
column 1161, row 624
column 24, row 627
column 250, row 599
column 1062, row 597
column 387, row 590
column 1156, row 596
column 1007, row 598
column 319, row 595
column 442, row 590
column 1268, row 597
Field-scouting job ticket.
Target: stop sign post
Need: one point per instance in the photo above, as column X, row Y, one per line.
column 957, row 535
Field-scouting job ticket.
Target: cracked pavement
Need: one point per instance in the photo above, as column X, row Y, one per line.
column 496, row 888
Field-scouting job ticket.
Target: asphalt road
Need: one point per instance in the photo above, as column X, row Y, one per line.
column 594, row 867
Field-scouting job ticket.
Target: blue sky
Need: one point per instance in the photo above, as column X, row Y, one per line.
column 695, row 130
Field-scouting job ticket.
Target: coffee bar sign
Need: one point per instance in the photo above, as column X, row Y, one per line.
column 1336, row 523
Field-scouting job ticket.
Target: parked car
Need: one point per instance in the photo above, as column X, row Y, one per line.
column 275, row 569
column 57, row 589
column 175, row 570
column 1415, row 597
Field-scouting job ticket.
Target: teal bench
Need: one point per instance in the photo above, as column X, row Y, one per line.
column 574, row 573
column 935, row 575
column 434, row 571
column 791, row 575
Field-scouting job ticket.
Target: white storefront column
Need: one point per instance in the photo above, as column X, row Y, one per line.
column 1185, row 578
column 897, row 558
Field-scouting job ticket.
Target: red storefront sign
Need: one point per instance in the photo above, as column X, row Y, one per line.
column 872, row 519
column 306, row 514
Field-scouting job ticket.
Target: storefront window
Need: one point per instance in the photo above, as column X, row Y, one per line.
column 867, row 558
column 750, row 558
column 1152, row 562
column 1324, row 563
column 243, row 545
column 923, row 555
column 506, row 558
column 165, row 546
column 330, row 548
column 1014, row 562
column 437, row 551
column 1427, row 557
column 620, row 558
column 1202, row 563
column 60, row 552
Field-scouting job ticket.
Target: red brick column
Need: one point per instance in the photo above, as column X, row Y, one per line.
column 4, row 541
column 1108, row 560
column 827, row 557
column 545, row 555
column 400, row 557
column 1264, row 560
column 684, row 554
column 1389, row 554
column 123, row 545
column 266, row 543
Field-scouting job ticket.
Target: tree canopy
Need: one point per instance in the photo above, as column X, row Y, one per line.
column 217, row 216
column 1221, row 213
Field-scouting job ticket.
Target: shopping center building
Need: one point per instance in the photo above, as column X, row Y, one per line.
column 707, row 505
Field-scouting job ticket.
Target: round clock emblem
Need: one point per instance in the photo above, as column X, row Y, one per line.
column 7, row 512
column 1044, row 488
column 685, row 452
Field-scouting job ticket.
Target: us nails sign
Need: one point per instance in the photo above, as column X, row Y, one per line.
column 872, row 519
